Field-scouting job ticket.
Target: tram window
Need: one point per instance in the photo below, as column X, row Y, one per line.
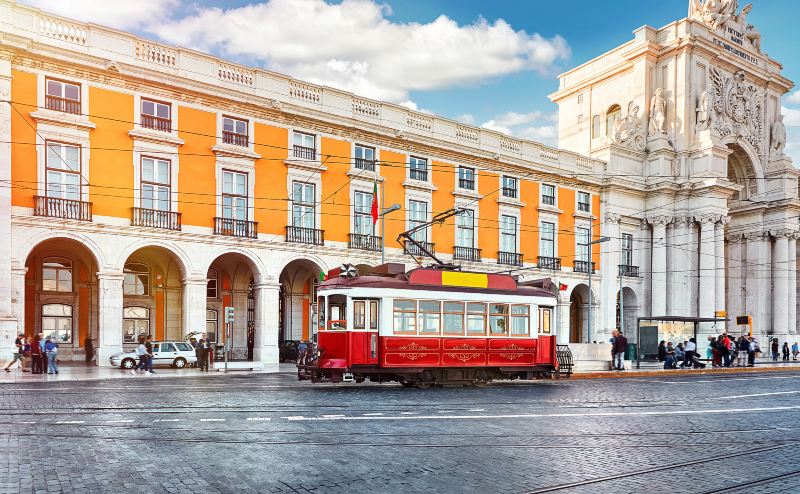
column 453, row 318
column 321, row 311
column 373, row 314
column 520, row 320
column 476, row 318
column 359, row 319
column 498, row 319
column 545, row 318
column 405, row 316
column 429, row 316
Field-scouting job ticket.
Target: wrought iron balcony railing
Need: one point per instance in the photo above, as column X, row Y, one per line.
column 417, row 174
column 234, row 139
column 156, row 123
column 467, row 254
column 364, row 242
column 466, row 183
column 62, row 104
column 56, row 207
column 302, row 235
column 235, row 228
column 553, row 263
column 415, row 251
column 511, row 258
column 304, row 153
column 510, row 192
column 582, row 266
column 155, row 218
column 630, row 271
column 362, row 164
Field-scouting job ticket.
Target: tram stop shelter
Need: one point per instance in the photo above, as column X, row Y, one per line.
column 651, row 330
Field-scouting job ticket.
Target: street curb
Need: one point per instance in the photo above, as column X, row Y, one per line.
column 681, row 372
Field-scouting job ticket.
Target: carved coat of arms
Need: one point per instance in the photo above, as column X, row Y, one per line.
column 738, row 108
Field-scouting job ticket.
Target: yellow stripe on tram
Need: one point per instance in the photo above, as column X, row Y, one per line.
column 474, row 280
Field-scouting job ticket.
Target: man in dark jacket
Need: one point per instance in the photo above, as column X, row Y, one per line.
column 620, row 346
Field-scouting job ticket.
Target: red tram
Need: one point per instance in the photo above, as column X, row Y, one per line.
column 431, row 327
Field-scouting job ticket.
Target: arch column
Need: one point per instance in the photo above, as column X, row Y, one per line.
column 9, row 324
column 719, row 263
column 659, row 274
column 609, row 271
column 110, row 315
column 780, row 284
column 792, row 272
column 266, row 320
column 194, row 303
column 18, row 295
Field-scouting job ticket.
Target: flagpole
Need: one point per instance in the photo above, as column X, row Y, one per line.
column 383, row 228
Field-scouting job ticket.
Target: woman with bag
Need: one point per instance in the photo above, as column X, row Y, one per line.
column 51, row 347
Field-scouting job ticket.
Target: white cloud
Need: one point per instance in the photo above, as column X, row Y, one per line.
column 120, row 14
column 794, row 97
column 411, row 105
column 354, row 46
column 466, row 118
column 791, row 116
column 536, row 126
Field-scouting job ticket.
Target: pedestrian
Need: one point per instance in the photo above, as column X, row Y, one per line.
column 17, row 355
column 42, row 345
column 753, row 353
column 613, row 341
column 744, row 351
column 709, row 350
column 724, row 347
column 715, row 355
column 620, row 345
column 775, row 346
column 669, row 356
column 36, row 355
column 691, row 351
column 680, row 355
column 785, row 351
column 662, row 351
column 141, row 354
column 26, row 354
column 148, row 346
column 795, row 350
column 203, row 345
column 193, row 342
column 88, row 346
column 51, row 347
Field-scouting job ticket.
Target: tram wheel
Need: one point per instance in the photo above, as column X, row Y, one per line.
column 406, row 384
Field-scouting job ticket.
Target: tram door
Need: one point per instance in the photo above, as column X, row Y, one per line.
column 364, row 344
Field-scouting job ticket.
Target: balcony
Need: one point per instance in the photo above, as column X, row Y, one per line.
column 582, row 267
column 510, row 192
column 235, row 139
column 301, row 235
column 629, row 271
column 553, row 263
column 510, row 258
column 156, row 123
column 415, row 251
column 68, row 209
column 235, row 228
column 154, row 218
column 466, row 183
column 364, row 242
column 417, row 174
column 62, row 104
column 549, row 200
column 303, row 152
column 466, row 254
column 362, row 164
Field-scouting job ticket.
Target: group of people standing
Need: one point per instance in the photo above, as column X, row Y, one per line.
column 144, row 352
column 619, row 345
column 784, row 350
column 36, row 355
column 683, row 355
column 202, row 350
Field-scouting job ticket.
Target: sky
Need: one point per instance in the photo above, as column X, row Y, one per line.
column 423, row 53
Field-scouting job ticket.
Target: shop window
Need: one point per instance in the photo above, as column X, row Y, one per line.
column 135, row 322
column 57, row 322
column 137, row 279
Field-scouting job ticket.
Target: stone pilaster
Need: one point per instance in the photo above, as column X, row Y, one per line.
column 719, row 264
column 680, row 267
column 9, row 325
column 757, row 282
column 735, row 282
column 659, row 273
column 194, row 303
column 266, row 319
column 707, row 266
column 780, row 284
column 792, row 275
column 642, row 257
column 109, row 290
column 609, row 275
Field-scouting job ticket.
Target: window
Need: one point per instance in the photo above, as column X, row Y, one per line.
column 520, row 320
column 418, row 214
column 508, row 233
column 597, row 126
column 57, row 322
column 304, row 145
column 167, row 347
column 584, row 203
column 453, row 318
column 156, row 115
column 365, row 158
column 510, row 187
column 476, row 318
column 156, row 191
column 137, row 279
column 212, row 283
column 627, row 249
column 612, row 117
column 211, row 325
column 549, row 194
column 56, row 274
column 362, row 213
column 466, row 178
column 580, row 99
column 465, row 229
column 234, row 195
column 405, row 316
column 545, row 318
column 581, row 244
column 418, row 168
column 63, row 171
column 547, row 239
column 359, row 314
column 498, row 319
column 429, row 316
column 184, row 347
column 234, row 131
column 135, row 321
column 303, row 205
column 63, row 96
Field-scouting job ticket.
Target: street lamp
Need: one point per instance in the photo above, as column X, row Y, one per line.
column 390, row 209
column 589, row 270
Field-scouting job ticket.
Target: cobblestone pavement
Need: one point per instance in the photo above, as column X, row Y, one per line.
column 269, row 433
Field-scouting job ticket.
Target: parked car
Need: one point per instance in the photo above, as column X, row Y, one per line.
column 288, row 351
column 174, row 353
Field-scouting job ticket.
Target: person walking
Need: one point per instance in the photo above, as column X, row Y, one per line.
column 620, row 345
column 88, row 346
column 785, row 351
column 795, row 350
column 51, row 347
column 193, row 342
column 724, row 347
column 613, row 341
column 148, row 345
column 775, row 347
column 751, row 354
column 42, row 345
column 715, row 358
column 36, row 355
column 744, row 351
column 26, row 354
column 202, row 345
column 17, row 355
column 141, row 354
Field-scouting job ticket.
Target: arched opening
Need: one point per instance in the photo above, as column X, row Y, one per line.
column 578, row 314
column 630, row 309
column 61, row 297
column 612, row 117
column 229, row 283
column 152, row 296
column 298, row 295
column 741, row 171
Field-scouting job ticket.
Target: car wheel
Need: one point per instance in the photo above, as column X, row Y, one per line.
column 179, row 363
column 128, row 363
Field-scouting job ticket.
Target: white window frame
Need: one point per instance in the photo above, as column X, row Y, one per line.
column 357, row 191
column 542, row 196
column 578, row 202
column 473, row 230
column 173, row 113
column 623, row 250
column 555, row 237
column 314, row 205
column 412, row 223
column 250, row 130
column 513, row 214
column 582, row 251
column 226, row 165
column 428, row 178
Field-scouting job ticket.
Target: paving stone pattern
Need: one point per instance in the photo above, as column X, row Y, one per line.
column 269, row 433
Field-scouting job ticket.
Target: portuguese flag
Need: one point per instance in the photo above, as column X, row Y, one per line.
column 375, row 204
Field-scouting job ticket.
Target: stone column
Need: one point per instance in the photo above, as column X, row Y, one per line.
column 609, row 276
column 719, row 264
column 109, row 290
column 780, row 285
column 680, row 291
column 561, row 323
column 641, row 257
column 735, row 276
column 194, row 304
column 8, row 322
column 757, row 283
column 792, row 274
column 659, row 273
column 18, row 294
column 266, row 319
column 707, row 266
